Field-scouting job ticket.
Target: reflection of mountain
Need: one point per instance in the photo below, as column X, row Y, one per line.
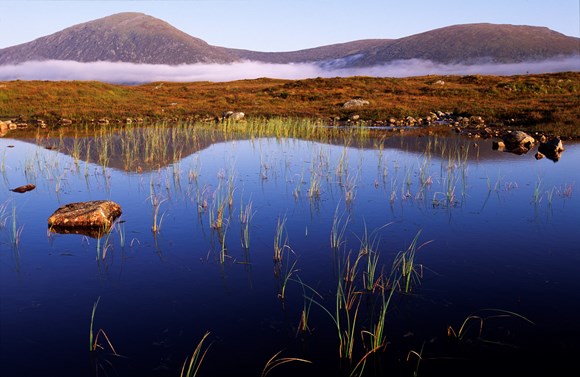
column 134, row 149
column 150, row 148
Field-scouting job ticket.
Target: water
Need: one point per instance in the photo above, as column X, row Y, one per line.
column 497, row 245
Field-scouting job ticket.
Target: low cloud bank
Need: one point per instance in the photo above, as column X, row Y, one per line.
column 129, row 73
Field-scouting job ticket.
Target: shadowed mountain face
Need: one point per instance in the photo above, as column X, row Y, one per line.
column 139, row 38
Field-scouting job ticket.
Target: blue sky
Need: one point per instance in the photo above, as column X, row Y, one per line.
column 286, row 25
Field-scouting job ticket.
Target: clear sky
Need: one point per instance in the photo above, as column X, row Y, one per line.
column 287, row 25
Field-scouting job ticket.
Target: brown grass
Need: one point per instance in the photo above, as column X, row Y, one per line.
column 534, row 101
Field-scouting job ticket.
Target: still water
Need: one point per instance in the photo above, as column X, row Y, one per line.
column 491, row 240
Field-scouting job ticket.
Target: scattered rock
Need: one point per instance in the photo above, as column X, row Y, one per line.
column 3, row 127
column 93, row 214
column 355, row 103
column 233, row 115
column 539, row 156
column 24, row 188
column 498, row 146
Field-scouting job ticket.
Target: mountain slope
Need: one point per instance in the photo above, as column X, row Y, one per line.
column 126, row 37
column 139, row 38
column 474, row 43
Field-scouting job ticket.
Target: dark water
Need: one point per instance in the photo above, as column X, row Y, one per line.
column 500, row 240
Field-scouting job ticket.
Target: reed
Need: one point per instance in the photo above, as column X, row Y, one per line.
column 222, row 232
column 347, row 302
column 478, row 319
column 246, row 215
column 537, row 196
column 192, row 364
column 376, row 334
column 287, row 274
column 280, row 240
column 156, row 201
column 314, row 186
column 16, row 233
column 338, row 229
column 94, row 339
column 406, row 273
column 303, row 326
column 276, row 361
column 218, row 206
column 3, row 214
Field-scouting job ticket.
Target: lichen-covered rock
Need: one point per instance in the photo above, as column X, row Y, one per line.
column 93, row 214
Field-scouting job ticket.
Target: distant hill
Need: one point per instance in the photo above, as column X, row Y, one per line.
column 139, row 38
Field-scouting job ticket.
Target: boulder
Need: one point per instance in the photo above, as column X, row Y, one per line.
column 518, row 142
column 94, row 214
column 552, row 149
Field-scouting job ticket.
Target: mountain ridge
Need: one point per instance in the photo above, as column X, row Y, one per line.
column 139, row 38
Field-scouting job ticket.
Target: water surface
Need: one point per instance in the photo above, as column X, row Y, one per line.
column 498, row 236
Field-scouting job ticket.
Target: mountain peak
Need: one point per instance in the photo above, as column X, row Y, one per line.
column 122, row 37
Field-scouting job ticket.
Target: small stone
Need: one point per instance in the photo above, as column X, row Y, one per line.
column 24, row 188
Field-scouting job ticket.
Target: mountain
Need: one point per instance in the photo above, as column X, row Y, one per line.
column 139, row 38
column 122, row 37
column 476, row 43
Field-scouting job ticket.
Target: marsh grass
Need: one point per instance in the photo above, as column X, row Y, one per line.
column 286, row 275
column 338, row 229
column 156, row 201
column 276, row 361
column 303, row 325
column 218, row 207
column 246, row 214
column 280, row 240
column 472, row 326
column 192, row 364
column 344, row 316
column 3, row 213
column 405, row 272
column 537, row 195
column 94, row 344
column 16, row 231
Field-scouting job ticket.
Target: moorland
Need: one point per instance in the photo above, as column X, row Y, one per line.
column 546, row 103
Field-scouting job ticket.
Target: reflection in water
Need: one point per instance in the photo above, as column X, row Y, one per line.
column 497, row 229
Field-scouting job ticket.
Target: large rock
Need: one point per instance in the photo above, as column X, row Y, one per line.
column 518, row 142
column 94, row 214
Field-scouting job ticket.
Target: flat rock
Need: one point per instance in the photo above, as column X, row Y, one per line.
column 93, row 214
